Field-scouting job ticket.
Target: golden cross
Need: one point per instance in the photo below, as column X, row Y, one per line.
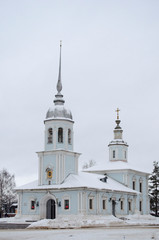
column 118, row 110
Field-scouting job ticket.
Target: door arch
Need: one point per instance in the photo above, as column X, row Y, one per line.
column 50, row 209
column 43, row 205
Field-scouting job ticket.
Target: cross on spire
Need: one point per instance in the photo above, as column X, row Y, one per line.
column 118, row 110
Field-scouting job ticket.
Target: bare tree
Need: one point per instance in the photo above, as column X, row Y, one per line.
column 89, row 164
column 7, row 192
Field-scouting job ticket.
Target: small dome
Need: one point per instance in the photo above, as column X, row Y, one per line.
column 59, row 112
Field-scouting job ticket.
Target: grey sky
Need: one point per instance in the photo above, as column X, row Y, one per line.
column 110, row 58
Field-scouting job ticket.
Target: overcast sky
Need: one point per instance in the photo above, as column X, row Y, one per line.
column 110, row 59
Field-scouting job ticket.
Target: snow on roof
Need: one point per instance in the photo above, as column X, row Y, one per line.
column 82, row 180
column 59, row 112
column 116, row 165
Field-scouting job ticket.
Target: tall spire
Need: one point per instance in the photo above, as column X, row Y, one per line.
column 59, row 83
column 59, row 97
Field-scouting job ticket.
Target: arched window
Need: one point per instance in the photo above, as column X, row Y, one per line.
column 69, row 136
column 50, row 134
column 60, row 135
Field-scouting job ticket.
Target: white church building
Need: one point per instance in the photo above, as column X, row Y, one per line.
column 61, row 190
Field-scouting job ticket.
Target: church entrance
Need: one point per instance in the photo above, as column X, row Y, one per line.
column 50, row 209
column 113, row 207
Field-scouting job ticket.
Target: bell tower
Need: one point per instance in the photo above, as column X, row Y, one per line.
column 59, row 121
column 118, row 148
column 58, row 158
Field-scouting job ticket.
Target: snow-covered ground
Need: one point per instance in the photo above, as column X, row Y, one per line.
column 134, row 227
column 82, row 234
column 95, row 221
column 88, row 221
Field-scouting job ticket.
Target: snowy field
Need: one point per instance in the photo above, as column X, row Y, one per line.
column 82, row 234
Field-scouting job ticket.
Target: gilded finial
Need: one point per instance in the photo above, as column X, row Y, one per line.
column 118, row 110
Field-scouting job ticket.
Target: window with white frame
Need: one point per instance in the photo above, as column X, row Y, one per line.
column 113, row 153
column 66, row 204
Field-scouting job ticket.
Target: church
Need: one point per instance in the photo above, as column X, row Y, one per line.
column 62, row 190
